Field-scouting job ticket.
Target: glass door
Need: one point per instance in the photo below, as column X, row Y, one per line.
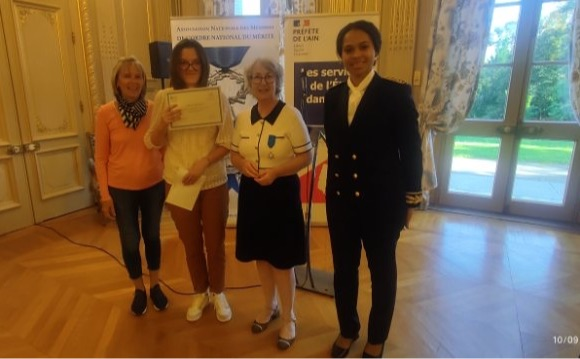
column 516, row 152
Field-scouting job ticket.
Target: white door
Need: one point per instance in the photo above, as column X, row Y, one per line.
column 15, row 204
column 43, row 163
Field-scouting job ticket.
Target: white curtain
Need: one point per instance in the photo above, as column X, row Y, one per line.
column 278, row 7
column 219, row 7
column 575, row 69
column 456, row 50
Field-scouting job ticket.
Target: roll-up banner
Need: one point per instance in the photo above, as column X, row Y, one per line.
column 232, row 43
column 311, row 67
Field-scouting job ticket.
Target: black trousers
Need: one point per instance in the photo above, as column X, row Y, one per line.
column 348, row 236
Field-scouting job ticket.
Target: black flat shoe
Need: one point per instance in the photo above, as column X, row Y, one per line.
column 367, row 355
column 285, row 343
column 139, row 305
column 340, row 352
column 159, row 299
column 258, row 327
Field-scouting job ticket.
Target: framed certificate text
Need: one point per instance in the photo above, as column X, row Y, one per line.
column 200, row 107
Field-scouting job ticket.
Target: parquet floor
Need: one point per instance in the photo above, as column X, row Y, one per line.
column 468, row 287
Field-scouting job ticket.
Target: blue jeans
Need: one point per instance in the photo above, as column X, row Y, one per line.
column 128, row 204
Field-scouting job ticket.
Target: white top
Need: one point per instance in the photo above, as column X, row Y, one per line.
column 273, row 140
column 186, row 146
column 356, row 93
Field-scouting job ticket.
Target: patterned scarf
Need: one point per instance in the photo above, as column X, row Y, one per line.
column 132, row 112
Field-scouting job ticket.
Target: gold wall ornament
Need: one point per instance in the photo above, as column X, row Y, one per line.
column 23, row 14
column 347, row 6
column 92, row 61
column 402, row 23
column 50, row 16
column 41, row 127
column 399, row 31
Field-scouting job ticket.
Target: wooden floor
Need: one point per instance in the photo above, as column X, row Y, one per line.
column 468, row 287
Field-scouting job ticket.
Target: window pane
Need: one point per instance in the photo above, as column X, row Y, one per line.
column 238, row 7
column 554, row 31
column 247, row 7
column 502, row 35
column 474, row 165
column 542, row 171
column 548, row 97
column 491, row 94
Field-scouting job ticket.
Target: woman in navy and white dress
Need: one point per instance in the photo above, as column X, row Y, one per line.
column 270, row 145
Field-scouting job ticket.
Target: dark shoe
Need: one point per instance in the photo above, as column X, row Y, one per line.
column 258, row 327
column 285, row 343
column 159, row 299
column 139, row 305
column 367, row 355
column 340, row 352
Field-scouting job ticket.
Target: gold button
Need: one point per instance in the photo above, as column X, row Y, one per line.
column 354, row 157
column 357, row 194
column 338, row 193
column 336, row 175
column 336, row 156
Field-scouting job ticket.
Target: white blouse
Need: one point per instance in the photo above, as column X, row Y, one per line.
column 273, row 140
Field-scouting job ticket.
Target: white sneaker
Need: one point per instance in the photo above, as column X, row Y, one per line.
column 200, row 301
column 223, row 312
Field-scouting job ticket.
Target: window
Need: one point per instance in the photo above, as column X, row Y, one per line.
column 247, row 7
column 515, row 151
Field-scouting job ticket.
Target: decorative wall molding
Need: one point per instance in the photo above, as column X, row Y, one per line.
column 346, row 6
column 92, row 61
column 402, row 22
column 398, row 25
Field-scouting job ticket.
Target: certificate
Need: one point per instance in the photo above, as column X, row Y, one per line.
column 199, row 107
column 184, row 196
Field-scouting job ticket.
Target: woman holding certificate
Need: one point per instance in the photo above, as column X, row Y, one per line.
column 195, row 171
column 130, row 178
column 269, row 146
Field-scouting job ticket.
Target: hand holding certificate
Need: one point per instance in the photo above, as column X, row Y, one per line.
column 199, row 107
column 184, row 196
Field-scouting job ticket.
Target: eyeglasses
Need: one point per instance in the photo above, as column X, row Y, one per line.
column 269, row 78
column 184, row 65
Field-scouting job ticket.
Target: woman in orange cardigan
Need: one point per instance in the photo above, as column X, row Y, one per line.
column 130, row 178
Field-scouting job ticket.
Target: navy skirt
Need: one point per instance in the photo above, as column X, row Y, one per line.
column 270, row 224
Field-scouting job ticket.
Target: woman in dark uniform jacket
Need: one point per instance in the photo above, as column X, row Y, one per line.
column 373, row 182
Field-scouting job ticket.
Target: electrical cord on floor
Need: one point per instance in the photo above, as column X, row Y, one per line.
column 60, row 234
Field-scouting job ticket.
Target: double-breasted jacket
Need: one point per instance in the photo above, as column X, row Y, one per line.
column 375, row 163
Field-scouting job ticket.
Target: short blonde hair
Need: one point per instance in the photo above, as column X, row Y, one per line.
column 125, row 62
column 270, row 65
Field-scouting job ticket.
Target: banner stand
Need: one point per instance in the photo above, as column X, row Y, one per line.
column 314, row 280
column 307, row 278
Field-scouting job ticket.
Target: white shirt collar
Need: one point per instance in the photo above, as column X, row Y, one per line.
column 362, row 86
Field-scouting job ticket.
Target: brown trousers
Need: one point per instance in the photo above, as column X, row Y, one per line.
column 205, row 224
